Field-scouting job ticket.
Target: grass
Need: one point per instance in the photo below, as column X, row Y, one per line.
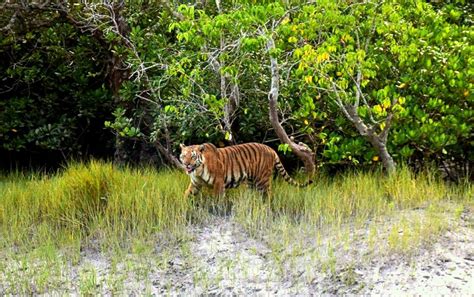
column 93, row 201
column 49, row 219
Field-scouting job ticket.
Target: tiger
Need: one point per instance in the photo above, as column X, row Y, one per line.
column 228, row 167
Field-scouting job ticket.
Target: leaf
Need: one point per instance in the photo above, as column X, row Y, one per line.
column 284, row 147
column 402, row 85
column 292, row 39
column 298, row 53
column 322, row 57
column 377, row 109
column 285, row 21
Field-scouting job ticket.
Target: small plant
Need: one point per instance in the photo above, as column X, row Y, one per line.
column 372, row 236
column 349, row 276
column 88, row 281
column 458, row 211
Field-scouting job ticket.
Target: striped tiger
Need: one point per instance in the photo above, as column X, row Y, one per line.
column 221, row 168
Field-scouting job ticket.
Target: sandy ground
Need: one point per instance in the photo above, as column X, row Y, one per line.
column 444, row 268
column 222, row 259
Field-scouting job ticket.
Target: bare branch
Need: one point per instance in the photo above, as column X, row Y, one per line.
column 168, row 155
column 301, row 150
column 11, row 23
column 341, row 105
column 372, row 32
column 176, row 14
column 386, row 128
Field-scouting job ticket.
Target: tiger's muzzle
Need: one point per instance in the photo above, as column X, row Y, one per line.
column 189, row 168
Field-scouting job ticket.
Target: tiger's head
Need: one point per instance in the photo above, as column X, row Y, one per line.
column 191, row 157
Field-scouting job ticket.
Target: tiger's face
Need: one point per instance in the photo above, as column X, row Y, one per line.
column 191, row 157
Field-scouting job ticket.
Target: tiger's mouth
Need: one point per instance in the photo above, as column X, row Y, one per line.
column 189, row 168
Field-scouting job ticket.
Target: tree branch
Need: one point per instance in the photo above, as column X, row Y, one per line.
column 301, row 150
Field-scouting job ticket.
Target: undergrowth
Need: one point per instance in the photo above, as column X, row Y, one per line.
column 140, row 219
column 92, row 200
column 99, row 201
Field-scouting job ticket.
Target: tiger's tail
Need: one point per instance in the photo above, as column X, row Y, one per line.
column 287, row 177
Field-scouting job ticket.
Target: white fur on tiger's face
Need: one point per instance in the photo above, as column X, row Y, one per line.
column 191, row 157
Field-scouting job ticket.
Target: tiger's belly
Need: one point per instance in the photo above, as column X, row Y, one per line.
column 204, row 178
column 233, row 181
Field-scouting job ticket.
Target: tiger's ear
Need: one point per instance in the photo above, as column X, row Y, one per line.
column 201, row 148
column 182, row 146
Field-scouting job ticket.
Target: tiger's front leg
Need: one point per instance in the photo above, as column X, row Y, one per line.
column 192, row 190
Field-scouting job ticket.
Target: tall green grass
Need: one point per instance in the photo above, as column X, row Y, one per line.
column 139, row 219
column 91, row 200
column 99, row 201
column 349, row 197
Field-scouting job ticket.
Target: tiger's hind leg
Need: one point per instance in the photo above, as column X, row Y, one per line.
column 263, row 186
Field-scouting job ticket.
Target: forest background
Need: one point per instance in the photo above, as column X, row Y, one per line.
column 353, row 83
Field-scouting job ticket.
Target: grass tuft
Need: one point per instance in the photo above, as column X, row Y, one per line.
column 91, row 200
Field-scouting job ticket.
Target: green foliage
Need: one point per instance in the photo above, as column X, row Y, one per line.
column 399, row 48
column 52, row 91
column 415, row 62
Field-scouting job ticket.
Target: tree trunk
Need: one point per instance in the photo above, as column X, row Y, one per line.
column 168, row 155
column 379, row 142
column 232, row 100
column 381, row 148
column 301, row 150
column 117, row 70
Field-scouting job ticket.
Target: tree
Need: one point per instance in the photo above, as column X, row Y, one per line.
column 300, row 149
column 359, row 83
column 362, row 58
column 249, row 40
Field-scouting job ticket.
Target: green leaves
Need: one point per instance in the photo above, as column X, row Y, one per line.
column 52, row 94
column 408, row 58
column 123, row 125
column 284, row 147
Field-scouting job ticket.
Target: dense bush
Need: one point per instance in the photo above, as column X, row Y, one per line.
column 53, row 94
column 196, row 73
